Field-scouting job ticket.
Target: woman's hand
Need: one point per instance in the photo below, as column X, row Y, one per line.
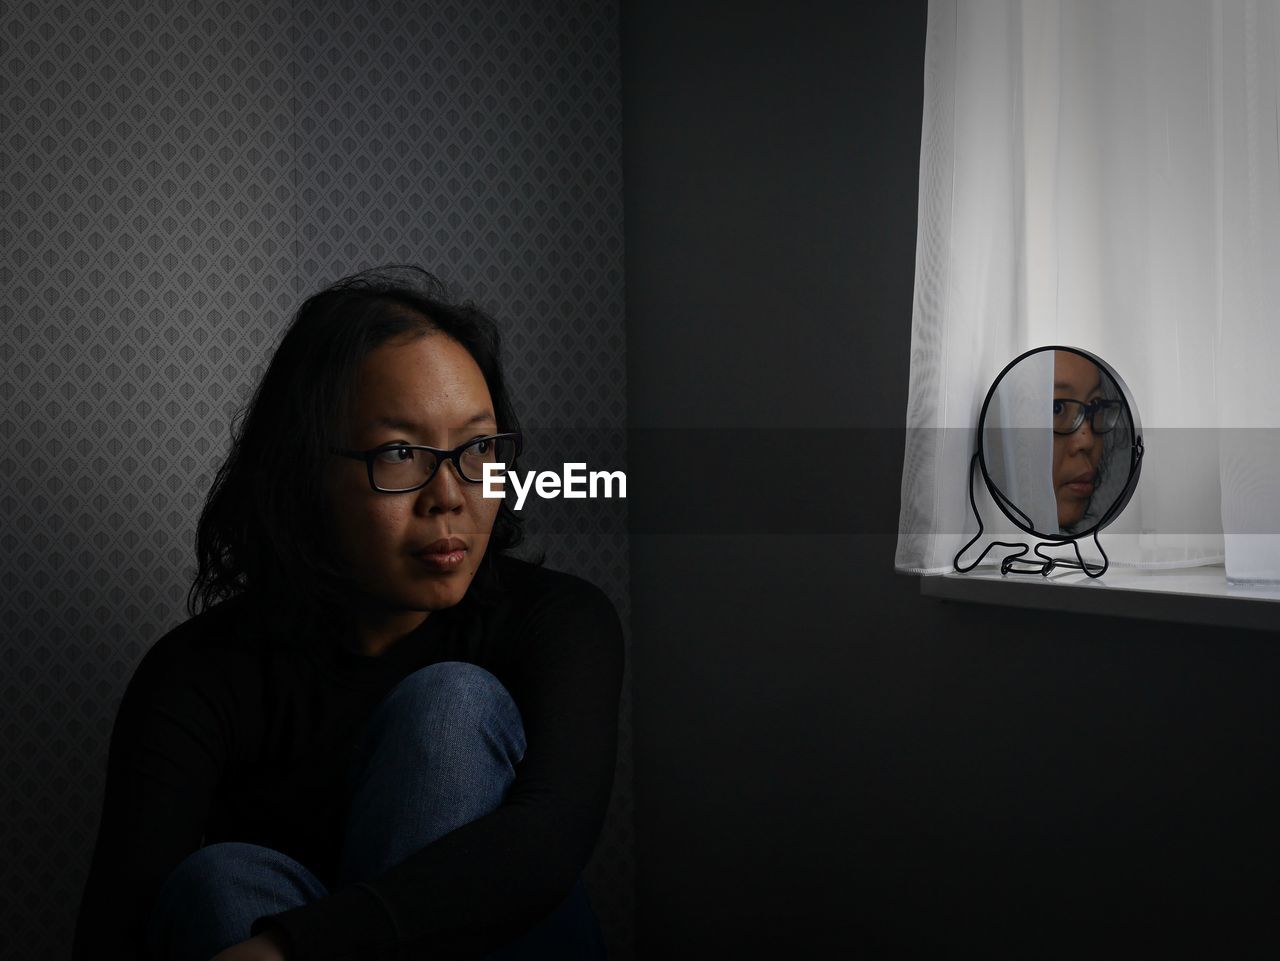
column 261, row 947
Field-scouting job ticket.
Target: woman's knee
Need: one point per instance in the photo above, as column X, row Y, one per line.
column 215, row 867
column 233, row 868
column 439, row 751
column 215, row 893
column 448, row 699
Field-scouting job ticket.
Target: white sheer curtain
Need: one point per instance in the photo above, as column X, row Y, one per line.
column 1105, row 174
column 1018, row 436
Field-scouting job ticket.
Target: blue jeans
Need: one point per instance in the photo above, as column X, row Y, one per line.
column 464, row 733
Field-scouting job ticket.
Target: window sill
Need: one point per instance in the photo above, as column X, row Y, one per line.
column 1197, row 595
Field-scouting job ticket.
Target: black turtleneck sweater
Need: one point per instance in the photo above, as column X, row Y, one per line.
column 228, row 732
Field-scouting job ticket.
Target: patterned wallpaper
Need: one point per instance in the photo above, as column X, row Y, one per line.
column 174, row 177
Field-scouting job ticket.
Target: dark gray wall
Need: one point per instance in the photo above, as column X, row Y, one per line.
column 825, row 761
column 174, row 178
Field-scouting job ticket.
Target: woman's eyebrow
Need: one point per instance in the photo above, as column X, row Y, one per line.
column 1062, row 386
column 402, row 423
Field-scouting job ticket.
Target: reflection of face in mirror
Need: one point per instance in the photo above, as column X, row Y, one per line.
column 1077, row 382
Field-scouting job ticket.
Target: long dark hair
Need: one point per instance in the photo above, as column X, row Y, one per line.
column 263, row 530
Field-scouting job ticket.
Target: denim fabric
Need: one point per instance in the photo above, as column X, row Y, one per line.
column 439, row 751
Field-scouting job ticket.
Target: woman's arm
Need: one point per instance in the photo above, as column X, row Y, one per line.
column 166, row 753
column 260, row 947
column 481, row 885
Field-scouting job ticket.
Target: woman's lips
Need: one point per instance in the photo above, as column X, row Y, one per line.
column 443, row 555
column 442, row 560
column 1081, row 488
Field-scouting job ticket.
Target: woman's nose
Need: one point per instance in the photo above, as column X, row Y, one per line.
column 443, row 493
column 1084, row 436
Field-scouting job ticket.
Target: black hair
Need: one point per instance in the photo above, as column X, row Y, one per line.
column 262, row 532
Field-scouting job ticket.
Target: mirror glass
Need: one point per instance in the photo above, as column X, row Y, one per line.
column 1059, row 443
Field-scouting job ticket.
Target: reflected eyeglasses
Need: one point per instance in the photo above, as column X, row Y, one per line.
column 1068, row 415
column 400, row 468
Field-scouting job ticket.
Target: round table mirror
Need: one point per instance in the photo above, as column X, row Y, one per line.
column 1059, row 447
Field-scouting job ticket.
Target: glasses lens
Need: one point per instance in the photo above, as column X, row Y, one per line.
column 1106, row 418
column 486, row 450
column 402, row 468
column 1067, row 416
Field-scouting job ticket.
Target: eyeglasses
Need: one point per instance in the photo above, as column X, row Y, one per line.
column 400, row 468
column 1068, row 415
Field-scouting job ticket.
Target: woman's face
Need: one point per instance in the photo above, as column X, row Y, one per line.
column 424, row 390
column 1075, row 456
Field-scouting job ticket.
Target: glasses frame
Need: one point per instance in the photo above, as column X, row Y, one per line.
column 441, row 457
column 1088, row 412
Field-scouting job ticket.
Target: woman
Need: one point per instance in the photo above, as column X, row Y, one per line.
column 377, row 736
column 1082, row 415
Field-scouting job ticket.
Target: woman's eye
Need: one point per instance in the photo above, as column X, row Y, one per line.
column 1057, row 407
column 395, row 455
column 482, row 446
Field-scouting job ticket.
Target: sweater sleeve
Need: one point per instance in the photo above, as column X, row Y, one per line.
column 165, row 755
column 486, row 882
